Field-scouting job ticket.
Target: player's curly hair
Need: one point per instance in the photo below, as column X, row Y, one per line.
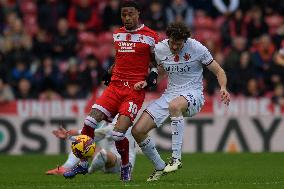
column 178, row 31
column 131, row 3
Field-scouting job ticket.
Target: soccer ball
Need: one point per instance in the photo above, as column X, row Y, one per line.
column 83, row 147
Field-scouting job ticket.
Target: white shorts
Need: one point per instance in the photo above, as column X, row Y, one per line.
column 159, row 109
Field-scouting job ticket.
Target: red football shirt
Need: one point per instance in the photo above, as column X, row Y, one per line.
column 133, row 53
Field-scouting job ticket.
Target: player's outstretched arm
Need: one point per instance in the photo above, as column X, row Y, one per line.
column 222, row 80
column 63, row 133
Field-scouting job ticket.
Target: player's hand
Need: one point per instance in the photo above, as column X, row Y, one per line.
column 61, row 133
column 225, row 96
column 140, row 85
column 106, row 78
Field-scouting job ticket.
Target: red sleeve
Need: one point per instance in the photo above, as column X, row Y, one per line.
column 72, row 18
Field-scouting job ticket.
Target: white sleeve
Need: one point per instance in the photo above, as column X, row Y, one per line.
column 206, row 58
column 157, row 56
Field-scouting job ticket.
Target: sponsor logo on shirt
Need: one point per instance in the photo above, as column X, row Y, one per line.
column 177, row 68
column 126, row 46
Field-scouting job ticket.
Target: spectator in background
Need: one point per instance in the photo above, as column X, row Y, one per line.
column 6, row 93
column 276, row 70
column 41, row 44
column 47, row 75
column 257, row 25
column 72, row 73
column 205, row 6
column 92, row 74
column 49, row 93
column 226, row 7
column 233, row 26
column 245, row 70
column 111, row 15
column 83, row 16
column 49, row 12
column 73, row 91
column 278, row 38
column 262, row 57
column 232, row 60
column 64, row 41
column 253, row 88
column 17, row 44
column 2, row 16
column 180, row 11
column 278, row 95
column 155, row 16
column 24, row 89
column 20, row 71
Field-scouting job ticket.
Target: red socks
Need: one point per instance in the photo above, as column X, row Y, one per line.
column 87, row 130
column 122, row 147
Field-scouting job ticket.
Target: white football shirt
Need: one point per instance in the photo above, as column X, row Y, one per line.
column 185, row 69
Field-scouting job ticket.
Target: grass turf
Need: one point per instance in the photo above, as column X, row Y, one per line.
column 245, row 170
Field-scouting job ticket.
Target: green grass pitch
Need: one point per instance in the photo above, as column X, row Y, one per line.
column 244, row 171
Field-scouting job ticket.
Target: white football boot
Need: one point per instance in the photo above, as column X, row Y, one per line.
column 173, row 165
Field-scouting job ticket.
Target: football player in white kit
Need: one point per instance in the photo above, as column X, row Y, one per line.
column 106, row 157
column 182, row 58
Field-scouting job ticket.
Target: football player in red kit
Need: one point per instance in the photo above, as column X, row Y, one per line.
column 133, row 45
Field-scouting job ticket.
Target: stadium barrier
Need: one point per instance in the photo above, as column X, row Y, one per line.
column 247, row 125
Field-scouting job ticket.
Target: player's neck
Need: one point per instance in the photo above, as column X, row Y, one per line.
column 136, row 28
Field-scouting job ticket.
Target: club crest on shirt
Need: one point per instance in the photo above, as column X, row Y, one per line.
column 176, row 59
column 128, row 37
column 186, row 56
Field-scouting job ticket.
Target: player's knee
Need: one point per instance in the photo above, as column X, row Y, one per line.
column 101, row 156
column 97, row 115
column 117, row 136
column 174, row 107
column 138, row 132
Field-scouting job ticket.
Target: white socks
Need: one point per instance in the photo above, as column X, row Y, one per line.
column 149, row 149
column 98, row 162
column 71, row 161
column 177, row 126
column 91, row 122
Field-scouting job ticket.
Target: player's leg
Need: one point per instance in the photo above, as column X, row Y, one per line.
column 122, row 145
column 176, row 108
column 140, row 133
column 71, row 161
column 104, row 108
column 105, row 160
column 90, row 123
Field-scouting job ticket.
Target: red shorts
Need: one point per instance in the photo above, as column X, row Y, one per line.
column 120, row 97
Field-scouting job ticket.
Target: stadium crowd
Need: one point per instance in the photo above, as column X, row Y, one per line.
column 53, row 49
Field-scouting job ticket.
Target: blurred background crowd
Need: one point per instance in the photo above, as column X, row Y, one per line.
column 54, row 49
